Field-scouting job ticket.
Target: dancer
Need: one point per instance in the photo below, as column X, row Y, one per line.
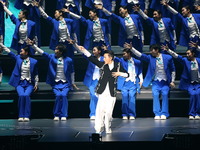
column 25, row 80
column 190, row 79
column 97, row 33
column 190, row 25
column 74, row 6
column 161, row 74
column 62, row 30
column 24, row 29
column 163, row 31
column 61, row 78
column 131, row 30
column 91, row 79
column 106, row 88
column 34, row 14
column 131, row 85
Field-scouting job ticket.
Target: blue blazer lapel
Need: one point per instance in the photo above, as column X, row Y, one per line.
column 188, row 64
column 136, row 64
column 56, row 26
column 19, row 64
column 156, row 28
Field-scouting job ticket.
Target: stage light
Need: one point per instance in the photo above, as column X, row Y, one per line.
column 95, row 138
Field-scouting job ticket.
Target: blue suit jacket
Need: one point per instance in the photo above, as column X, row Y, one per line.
column 106, row 4
column 89, row 72
column 31, row 31
column 122, row 31
column 19, row 5
column 155, row 38
column 184, row 35
column 16, row 74
column 186, row 74
column 89, row 33
column 138, row 71
column 55, row 33
column 51, row 75
column 61, row 4
column 168, row 67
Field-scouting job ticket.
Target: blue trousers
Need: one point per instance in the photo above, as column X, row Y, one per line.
column 61, row 103
column 93, row 97
column 194, row 105
column 162, row 88
column 24, row 90
column 128, row 91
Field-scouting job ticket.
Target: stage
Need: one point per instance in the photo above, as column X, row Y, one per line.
column 175, row 132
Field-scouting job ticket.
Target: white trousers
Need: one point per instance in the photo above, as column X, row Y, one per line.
column 104, row 111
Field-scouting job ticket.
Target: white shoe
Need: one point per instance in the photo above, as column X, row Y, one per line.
column 56, row 119
column 20, row 119
column 197, row 117
column 101, row 130
column 125, row 118
column 108, row 131
column 157, row 118
column 163, row 117
column 63, row 118
column 191, row 117
column 132, row 118
column 26, row 119
column 92, row 118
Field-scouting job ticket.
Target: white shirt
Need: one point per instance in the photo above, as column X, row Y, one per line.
column 63, row 31
column 98, row 2
column 131, row 71
column 133, row 1
column 97, row 31
column 160, row 72
column 25, row 70
column 70, row 2
column 60, row 76
column 162, row 32
column 96, row 74
column 28, row 2
column 194, row 65
column 131, row 29
column 23, row 32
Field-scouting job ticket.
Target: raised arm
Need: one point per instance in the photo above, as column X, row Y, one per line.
column 5, row 48
column 194, row 45
column 6, row 9
column 91, row 58
column 113, row 16
column 11, row 54
column 75, row 16
column 42, row 12
column 142, row 14
column 172, row 10
column 172, row 53
column 135, row 52
column 41, row 52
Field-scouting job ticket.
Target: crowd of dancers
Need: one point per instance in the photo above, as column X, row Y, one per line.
column 106, row 73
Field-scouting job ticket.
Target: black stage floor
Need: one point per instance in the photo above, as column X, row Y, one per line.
column 175, row 132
